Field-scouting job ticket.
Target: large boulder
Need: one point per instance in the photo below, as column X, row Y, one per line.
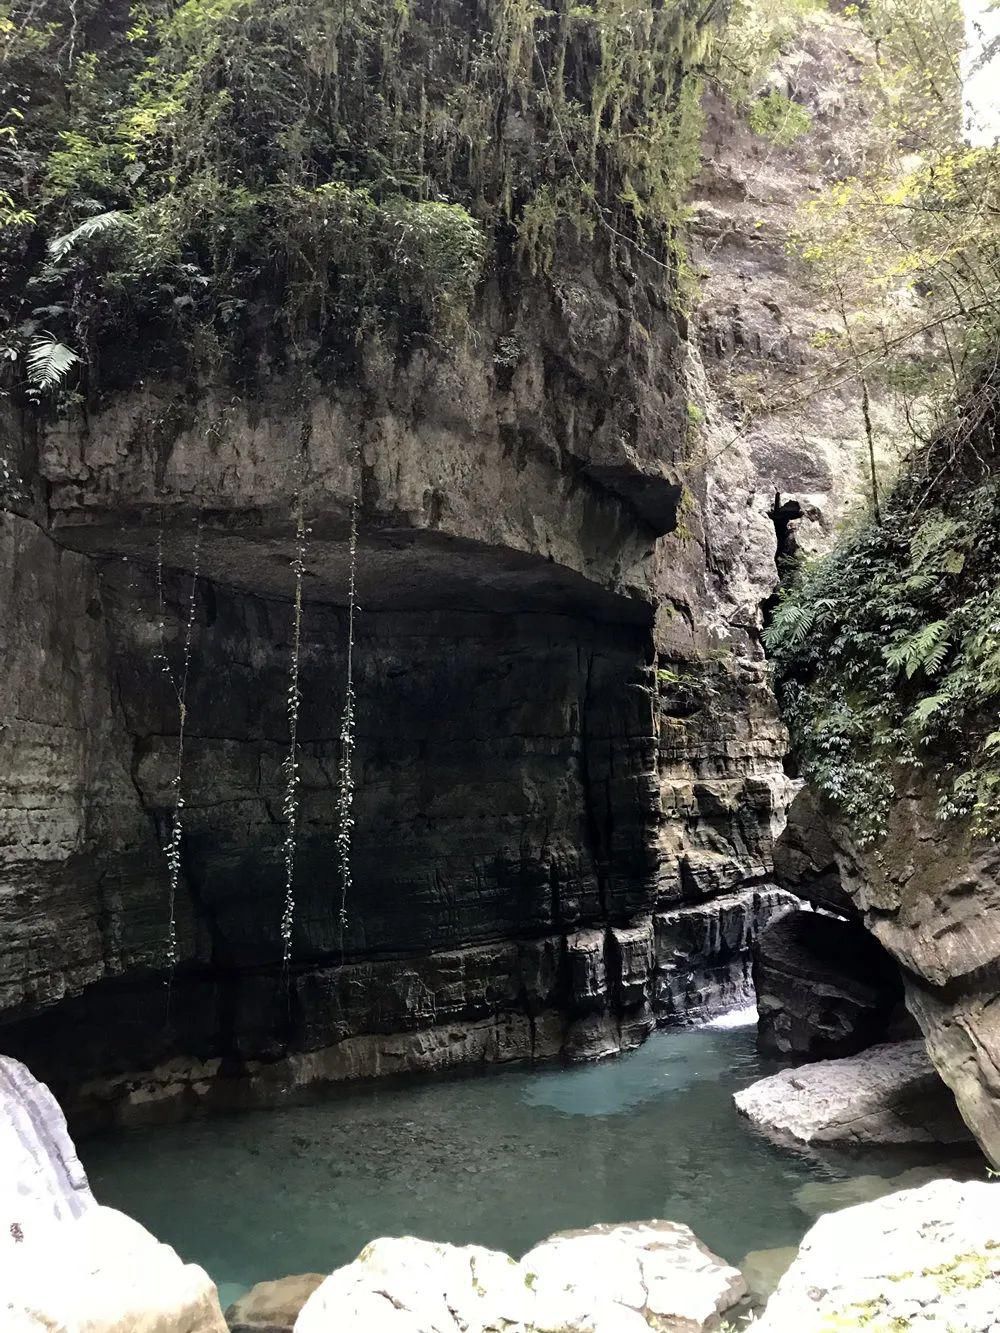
column 824, row 987
column 924, row 1259
column 405, row 1285
column 606, row 1279
column 68, row 1265
column 888, row 1094
column 40, row 1173
column 102, row 1273
column 629, row 1277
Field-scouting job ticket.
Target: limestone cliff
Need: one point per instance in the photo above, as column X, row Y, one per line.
column 567, row 749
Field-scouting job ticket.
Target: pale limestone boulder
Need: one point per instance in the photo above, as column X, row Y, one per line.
column 68, row 1265
column 607, row 1279
column 102, row 1273
column 921, row 1260
column 631, row 1278
column 273, row 1307
column 887, row 1094
column 405, row 1285
column 40, row 1174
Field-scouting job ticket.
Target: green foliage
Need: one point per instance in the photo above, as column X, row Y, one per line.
column 315, row 172
column 48, row 363
column 887, row 652
column 778, row 118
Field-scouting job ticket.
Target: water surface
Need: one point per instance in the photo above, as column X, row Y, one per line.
column 502, row 1159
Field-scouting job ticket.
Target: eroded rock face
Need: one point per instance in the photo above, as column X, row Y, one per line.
column 888, row 1094
column 824, row 987
column 704, row 951
column 930, row 894
column 924, row 1259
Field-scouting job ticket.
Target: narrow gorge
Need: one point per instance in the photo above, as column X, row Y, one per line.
column 439, row 445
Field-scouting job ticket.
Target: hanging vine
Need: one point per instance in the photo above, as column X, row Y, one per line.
column 179, row 684
column 290, row 808
column 345, row 791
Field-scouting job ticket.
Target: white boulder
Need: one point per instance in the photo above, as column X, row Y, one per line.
column 607, row 1279
column 921, row 1260
column 405, row 1285
column 633, row 1276
column 68, row 1265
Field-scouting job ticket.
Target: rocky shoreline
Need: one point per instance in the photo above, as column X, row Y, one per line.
column 929, row 1256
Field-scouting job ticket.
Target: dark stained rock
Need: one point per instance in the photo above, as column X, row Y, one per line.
column 824, row 987
column 805, row 858
column 704, row 951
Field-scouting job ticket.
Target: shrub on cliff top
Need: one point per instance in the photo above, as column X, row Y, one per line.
column 341, row 167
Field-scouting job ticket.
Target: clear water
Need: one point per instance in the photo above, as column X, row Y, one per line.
column 503, row 1159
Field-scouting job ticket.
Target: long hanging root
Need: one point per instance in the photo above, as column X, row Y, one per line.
column 290, row 808
column 345, row 793
column 180, row 687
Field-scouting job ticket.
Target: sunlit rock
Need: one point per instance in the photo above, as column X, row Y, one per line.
column 606, row 1279
column 634, row 1276
column 924, row 1259
column 66, row 1263
column 406, row 1285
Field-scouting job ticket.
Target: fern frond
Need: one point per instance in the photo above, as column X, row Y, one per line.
column 88, row 230
column 925, row 710
column 927, row 648
column 49, row 362
column 789, row 625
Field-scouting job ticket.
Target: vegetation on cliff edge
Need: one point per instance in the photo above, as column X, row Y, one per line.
column 187, row 182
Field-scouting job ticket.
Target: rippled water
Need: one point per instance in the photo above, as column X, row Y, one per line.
column 502, row 1159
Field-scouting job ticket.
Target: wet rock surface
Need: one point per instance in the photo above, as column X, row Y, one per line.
column 889, row 1094
column 272, row 1307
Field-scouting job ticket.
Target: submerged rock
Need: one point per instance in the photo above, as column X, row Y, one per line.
column 924, row 1259
column 764, row 1269
column 888, row 1094
column 824, row 986
column 67, row 1264
column 605, row 1279
column 272, row 1307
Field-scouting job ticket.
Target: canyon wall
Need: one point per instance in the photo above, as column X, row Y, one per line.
column 569, row 764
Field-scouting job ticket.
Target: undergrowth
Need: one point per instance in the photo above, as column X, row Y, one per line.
column 218, row 179
column 887, row 651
